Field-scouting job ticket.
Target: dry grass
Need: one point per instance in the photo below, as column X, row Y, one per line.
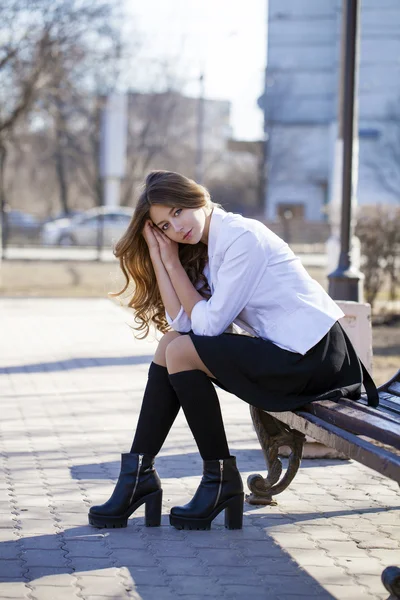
column 61, row 278
column 93, row 279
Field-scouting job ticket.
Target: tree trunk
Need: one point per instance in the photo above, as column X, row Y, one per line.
column 60, row 161
column 3, row 217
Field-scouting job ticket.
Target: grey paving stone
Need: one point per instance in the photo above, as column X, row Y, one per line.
column 348, row 592
column 148, row 576
column 86, row 549
column 53, row 580
column 127, row 541
column 261, row 592
column 195, row 585
column 44, row 558
column 247, row 534
column 47, row 593
column 16, row 590
column 190, row 597
column 268, row 549
column 122, row 595
column 104, row 586
column 223, row 557
column 173, row 548
column 313, row 557
column 330, row 575
column 133, row 558
column 39, row 527
column 282, row 566
column 10, row 550
column 386, row 556
column 339, row 548
column 293, row 540
column 209, row 539
column 361, row 566
column 236, row 575
column 45, row 571
column 86, row 563
column 177, row 566
column 10, row 570
column 42, row 542
column 372, row 583
column 156, row 593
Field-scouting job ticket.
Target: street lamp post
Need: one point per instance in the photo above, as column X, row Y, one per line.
column 199, row 166
column 346, row 282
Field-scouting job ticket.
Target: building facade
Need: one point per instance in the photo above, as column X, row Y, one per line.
column 300, row 104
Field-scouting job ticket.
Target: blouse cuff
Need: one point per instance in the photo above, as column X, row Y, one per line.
column 181, row 322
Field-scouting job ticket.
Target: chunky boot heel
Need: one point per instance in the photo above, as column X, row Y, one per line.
column 138, row 483
column 221, row 488
column 153, row 509
column 234, row 513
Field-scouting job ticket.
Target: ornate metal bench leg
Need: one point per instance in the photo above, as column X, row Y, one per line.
column 272, row 435
column 391, row 581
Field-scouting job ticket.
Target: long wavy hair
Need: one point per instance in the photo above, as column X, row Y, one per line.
column 167, row 189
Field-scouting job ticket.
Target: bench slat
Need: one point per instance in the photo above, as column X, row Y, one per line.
column 383, row 461
column 394, row 388
column 357, row 421
column 386, row 386
column 389, row 401
column 380, row 411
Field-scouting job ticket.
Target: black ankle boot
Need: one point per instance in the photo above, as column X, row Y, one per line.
column 138, row 483
column 221, row 488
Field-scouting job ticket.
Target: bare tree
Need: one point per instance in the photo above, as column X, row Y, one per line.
column 378, row 229
column 46, row 49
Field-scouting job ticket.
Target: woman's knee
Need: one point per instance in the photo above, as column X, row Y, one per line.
column 181, row 355
column 163, row 344
column 179, row 351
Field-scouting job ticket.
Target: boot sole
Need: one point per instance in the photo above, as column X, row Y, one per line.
column 152, row 517
column 233, row 516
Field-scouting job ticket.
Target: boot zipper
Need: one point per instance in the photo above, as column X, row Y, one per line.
column 221, row 476
column 137, row 475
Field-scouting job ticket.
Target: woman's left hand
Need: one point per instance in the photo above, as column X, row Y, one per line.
column 168, row 249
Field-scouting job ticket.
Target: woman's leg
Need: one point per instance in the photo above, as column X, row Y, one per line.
column 191, row 381
column 160, row 404
column 138, row 482
column 221, row 487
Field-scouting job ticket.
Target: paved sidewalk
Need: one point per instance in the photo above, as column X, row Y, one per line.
column 71, row 380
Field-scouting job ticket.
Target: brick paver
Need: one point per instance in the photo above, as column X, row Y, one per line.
column 71, row 379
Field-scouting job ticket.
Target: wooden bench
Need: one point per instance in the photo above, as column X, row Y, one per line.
column 371, row 436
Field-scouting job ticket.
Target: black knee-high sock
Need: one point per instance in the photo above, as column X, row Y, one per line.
column 200, row 404
column 160, row 406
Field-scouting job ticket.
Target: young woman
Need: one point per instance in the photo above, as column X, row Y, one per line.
column 244, row 314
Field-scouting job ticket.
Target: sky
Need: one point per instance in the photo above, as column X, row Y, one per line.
column 224, row 39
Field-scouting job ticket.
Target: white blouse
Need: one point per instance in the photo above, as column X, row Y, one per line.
column 258, row 284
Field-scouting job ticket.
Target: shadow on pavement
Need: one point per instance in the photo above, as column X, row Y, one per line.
column 218, row 562
column 77, row 363
column 189, row 464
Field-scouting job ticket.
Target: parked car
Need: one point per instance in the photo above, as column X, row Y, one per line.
column 20, row 227
column 86, row 229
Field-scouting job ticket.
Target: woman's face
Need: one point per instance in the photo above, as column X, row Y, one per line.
column 183, row 225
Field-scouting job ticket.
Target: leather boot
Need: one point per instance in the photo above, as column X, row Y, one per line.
column 138, row 483
column 221, row 488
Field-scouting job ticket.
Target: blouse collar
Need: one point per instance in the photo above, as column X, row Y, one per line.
column 218, row 215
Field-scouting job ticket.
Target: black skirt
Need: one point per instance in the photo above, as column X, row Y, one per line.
column 273, row 379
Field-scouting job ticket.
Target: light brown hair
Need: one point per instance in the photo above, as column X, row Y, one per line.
column 167, row 189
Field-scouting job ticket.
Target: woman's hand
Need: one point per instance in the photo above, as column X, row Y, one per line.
column 151, row 240
column 167, row 248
